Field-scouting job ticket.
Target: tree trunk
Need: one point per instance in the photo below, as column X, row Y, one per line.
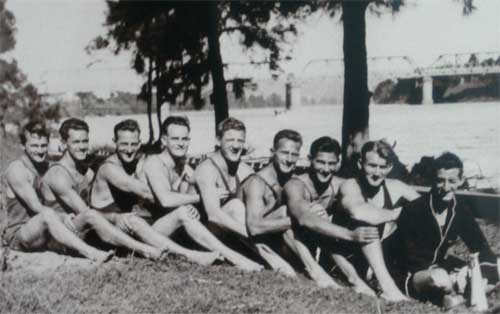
column 159, row 94
column 219, row 94
column 355, row 120
column 150, row 101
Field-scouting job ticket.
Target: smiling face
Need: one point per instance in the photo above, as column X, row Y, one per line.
column 77, row 144
column 324, row 165
column 128, row 144
column 286, row 155
column 36, row 147
column 446, row 183
column 231, row 144
column 176, row 140
column 375, row 168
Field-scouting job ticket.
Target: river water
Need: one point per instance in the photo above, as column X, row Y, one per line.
column 471, row 130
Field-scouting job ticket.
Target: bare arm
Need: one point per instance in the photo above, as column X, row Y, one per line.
column 60, row 185
column 206, row 180
column 353, row 202
column 117, row 177
column 256, row 209
column 299, row 208
column 18, row 181
column 158, row 180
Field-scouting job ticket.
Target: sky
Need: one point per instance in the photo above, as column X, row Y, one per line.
column 52, row 34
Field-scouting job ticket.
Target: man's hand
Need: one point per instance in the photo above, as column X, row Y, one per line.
column 122, row 221
column 193, row 212
column 319, row 210
column 365, row 234
column 223, row 193
column 397, row 212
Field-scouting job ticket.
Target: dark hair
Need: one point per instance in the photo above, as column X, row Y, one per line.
column 33, row 127
column 324, row 144
column 230, row 124
column 177, row 120
column 126, row 125
column 72, row 124
column 382, row 148
column 287, row 134
column 447, row 161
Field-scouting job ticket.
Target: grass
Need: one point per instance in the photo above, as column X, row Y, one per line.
column 134, row 285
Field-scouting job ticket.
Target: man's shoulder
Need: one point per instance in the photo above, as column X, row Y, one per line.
column 15, row 166
column 254, row 184
column 244, row 171
column 295, row 183
column 349, row 185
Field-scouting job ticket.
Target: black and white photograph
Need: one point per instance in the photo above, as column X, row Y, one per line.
column 250, row 156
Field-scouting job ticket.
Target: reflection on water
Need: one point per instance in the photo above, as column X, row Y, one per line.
column 472, row 130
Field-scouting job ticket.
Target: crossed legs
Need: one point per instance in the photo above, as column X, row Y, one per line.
column 47, row 226
column 184, row 217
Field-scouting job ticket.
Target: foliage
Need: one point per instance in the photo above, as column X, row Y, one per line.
column 178, row 42
column 20, row 98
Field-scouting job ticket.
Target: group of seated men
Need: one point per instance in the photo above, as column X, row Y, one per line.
column 327, row 227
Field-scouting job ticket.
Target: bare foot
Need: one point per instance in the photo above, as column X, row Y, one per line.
column 287, row 271
column 205, row 258
column 394, row 297
column 364, row 289
column 100, row 257
column 249, row 265
column 153, row 253
column 324, row 281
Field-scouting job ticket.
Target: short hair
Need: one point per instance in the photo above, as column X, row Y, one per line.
column 382, row 148
column 287, row 134
column 177, row 120
column 230, row 124
column 72, row 124
column 325, row 144
column 33, row 127
column 447, row 161
column 126, row 125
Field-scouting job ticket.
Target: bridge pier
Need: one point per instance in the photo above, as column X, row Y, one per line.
column 427, row 98
column 292, row 95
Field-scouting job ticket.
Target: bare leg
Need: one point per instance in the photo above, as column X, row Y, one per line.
column 112, row 235
column 313, row 269
column 373, row 253
column 352, row 276
column 152, row 237
column 37, row 232
column 275, row 261
column 201, row 235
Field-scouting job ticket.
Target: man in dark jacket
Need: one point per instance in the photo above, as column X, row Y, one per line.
column 428, row 227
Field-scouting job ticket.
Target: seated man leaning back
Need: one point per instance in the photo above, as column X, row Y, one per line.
column 223, row 169
column 32, row 226
column 310, row 198
column 170, row 179
column 266, row 215
column 370, row 199
column 65, row 188
column 117, row 189
column 428, row 227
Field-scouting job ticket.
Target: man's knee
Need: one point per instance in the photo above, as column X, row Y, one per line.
column 48, row 216
column 135, row 223
column 187, row 214
column 90, row 217
column 431, row 279
column 440, row 278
